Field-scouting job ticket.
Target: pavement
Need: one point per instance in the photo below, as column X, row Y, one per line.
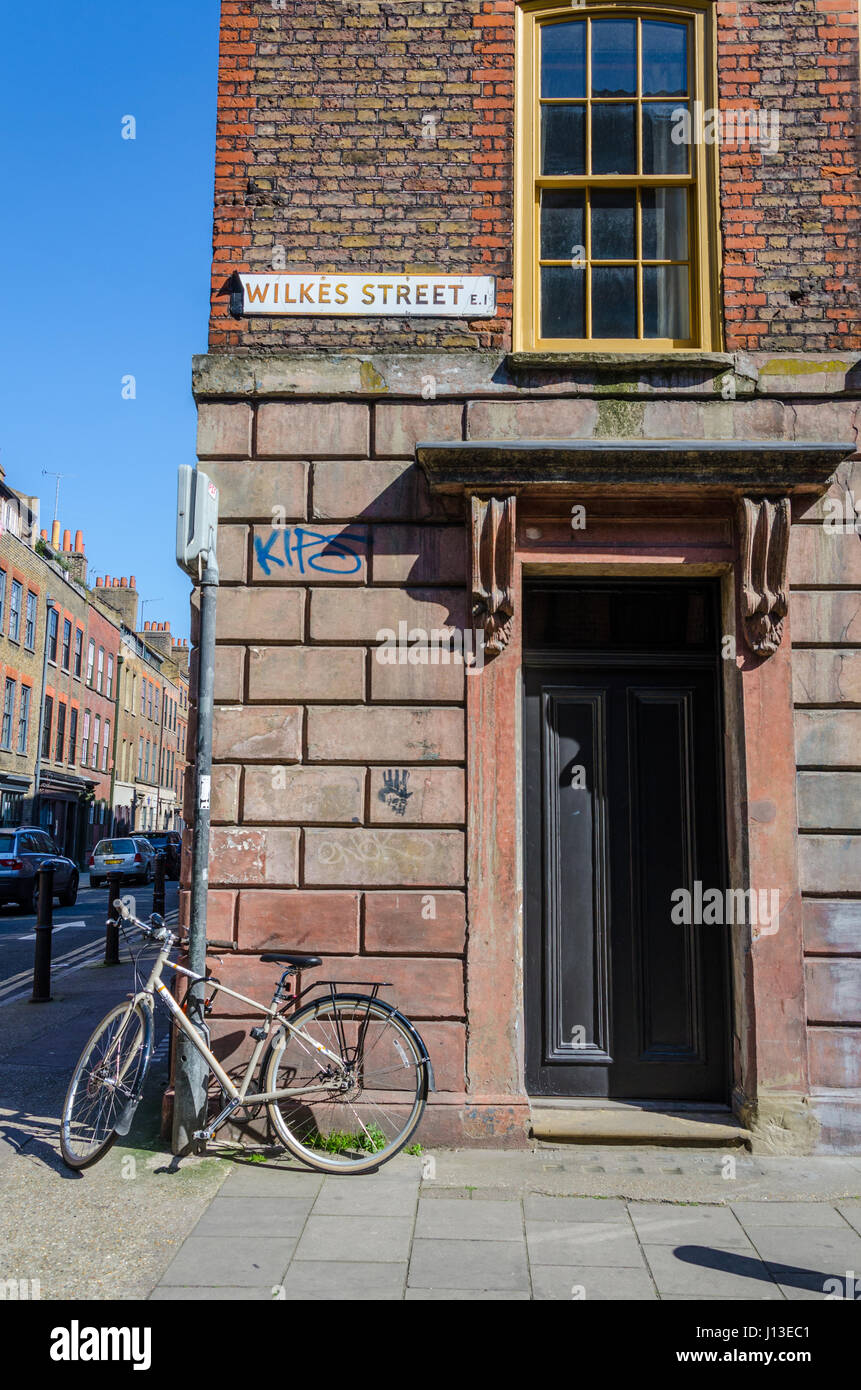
column 555, row 1222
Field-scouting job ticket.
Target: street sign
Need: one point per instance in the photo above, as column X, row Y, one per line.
column 196, row 520
column 365, row 295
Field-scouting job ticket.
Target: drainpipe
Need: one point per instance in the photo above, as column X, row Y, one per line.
column 37, row 774
column 116, row 735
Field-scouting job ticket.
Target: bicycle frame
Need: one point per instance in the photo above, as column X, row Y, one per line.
column 239, row 1095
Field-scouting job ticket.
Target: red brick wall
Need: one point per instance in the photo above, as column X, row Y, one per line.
column 321, row 151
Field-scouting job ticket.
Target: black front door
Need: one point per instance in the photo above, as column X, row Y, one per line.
column 623, row 810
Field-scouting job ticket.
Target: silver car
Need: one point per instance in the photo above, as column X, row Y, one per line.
column 131, row 857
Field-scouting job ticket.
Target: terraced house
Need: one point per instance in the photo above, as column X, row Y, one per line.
column 535, row 340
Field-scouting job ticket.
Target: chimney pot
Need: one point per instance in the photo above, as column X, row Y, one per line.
column 55, row 535
column 132, row 584
column 44, row 535
column 79, row 542
column 67, row 540
column 98, row 581
column 124, row 583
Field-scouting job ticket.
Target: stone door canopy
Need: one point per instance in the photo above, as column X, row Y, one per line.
column 761, row 476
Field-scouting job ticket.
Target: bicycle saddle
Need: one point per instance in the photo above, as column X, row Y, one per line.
column 303, row 962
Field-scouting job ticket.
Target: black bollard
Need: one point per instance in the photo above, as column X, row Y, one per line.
column 44, row 929
column 112, row 935
column 158, row 885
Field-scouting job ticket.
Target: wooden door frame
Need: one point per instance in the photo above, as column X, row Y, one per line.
column 769, row 1036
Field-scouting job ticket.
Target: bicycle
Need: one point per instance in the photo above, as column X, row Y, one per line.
column 345, row 1078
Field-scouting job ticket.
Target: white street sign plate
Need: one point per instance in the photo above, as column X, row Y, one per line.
column 368, row 295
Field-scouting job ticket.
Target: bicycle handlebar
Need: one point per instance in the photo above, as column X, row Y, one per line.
column 153, row 933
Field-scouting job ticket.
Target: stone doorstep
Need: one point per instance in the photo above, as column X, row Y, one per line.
column 591, row 1123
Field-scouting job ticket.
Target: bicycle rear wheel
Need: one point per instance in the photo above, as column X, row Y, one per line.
column 362, row 1113
column 108, row 1077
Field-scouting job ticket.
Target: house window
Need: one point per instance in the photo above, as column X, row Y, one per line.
column 149, row 699
column 97, row 725
column 156, row 704
column 45, row 751
column 106, row 739
column 30, row 621
column 67, row 644
column 109, row 688
column 24, row 719
column 2, row 598
column 8, row 712
column 73, row 734
column 146, row 762
column 143, row 697
column 613, row 248
column 85, row 739
column 53, row 625
column 140, row 756
column 61, row 731
column 91, row 661
column 79, row 648
column 15, row 610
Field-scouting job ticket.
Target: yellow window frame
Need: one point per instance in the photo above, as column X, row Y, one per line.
column 701, row 180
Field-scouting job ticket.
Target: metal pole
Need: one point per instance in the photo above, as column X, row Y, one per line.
column 158, row 884
column 112, row 932
column 44, row 928
column 189, row 1109
column 37, row 771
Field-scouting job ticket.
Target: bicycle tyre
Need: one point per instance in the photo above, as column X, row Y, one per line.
column 302, row 1137
column 76, row 1152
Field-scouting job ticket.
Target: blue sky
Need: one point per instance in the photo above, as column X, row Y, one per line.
column 106, row 249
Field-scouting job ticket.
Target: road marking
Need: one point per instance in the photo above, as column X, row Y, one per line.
column 79, row 922
column 64, row 966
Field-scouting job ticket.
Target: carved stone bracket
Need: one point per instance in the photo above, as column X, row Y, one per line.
column 764, row 545
column 492, row 530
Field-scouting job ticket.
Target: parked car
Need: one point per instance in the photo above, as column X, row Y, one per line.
column 24, row 850
column 169, row 844
column 130, row 856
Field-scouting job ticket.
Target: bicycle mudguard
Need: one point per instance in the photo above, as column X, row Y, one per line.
column 401, row 1019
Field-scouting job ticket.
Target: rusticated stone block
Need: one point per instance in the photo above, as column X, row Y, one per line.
column 256, row 732
column 220, row 912
column 559, row 419
column 303, row 794
column 354, row 733
column 446, row 1045
column 344, row 491
column 425, row 923
column 830, row 801
column 310, row 554
column 822, row 677
column 829, row 864
column 424, row 682
column 825, row 619
column 229, row 672
column 225, row 791
column 833, row 990
column 223, row 431
column 424, row 989
column 835, row 1057
column 818, row 555
column 232, row 554
column 419, row 555
column 306, row 673
column 312, row 429
column 417, row 795
column 831, row 927
column 238, row 854
column 399, row 427
column 361, row 615
column 379, row 857
column 259, row 615
column 295, row 920
column 827, row 737
column 254, row 490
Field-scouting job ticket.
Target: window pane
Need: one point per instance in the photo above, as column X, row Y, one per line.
column 665, row 59
column 614, row 141
column 665, row 224
column 665, row 301
column 661, row 154
column 562, row 302
column 613, row 235
column 614, row 301
column 563, row 59
column 563, row 139
column 614, row 57
column 562, row 229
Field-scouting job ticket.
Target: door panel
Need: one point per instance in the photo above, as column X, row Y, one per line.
column 623, row 806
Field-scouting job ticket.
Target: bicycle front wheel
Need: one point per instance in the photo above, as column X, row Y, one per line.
column 108, row 1077
column 353, row 1117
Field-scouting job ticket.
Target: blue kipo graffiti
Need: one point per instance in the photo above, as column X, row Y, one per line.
column 309, row 548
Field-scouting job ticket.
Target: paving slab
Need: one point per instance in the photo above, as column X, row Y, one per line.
column 592, row 1283
column 339, row 1280
column 704, row 1272
column 781, row 1214
column 457, row 1220
column 469, row 1264
column 341, row 1197
column 851, row 1212
column 254, row 1217
column 236, row 1293
column 539, row 1208
column 364, row 1239
column 240, row 1260
column 582, row 1243
column 661, row 1224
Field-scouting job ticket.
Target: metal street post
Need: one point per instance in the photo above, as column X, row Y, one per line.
column 50, row 606
column 44, row 925
column 196, row 530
